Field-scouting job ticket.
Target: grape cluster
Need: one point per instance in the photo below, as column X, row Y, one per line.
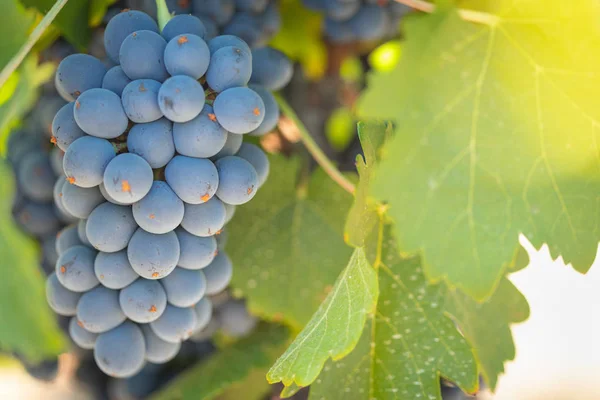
column 359, row 20
column 154, row 166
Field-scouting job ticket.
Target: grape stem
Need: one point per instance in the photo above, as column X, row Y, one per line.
column 314, row 149
column 467, row 15
column 18, row 58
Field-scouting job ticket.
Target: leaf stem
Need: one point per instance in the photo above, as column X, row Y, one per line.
column 18, row 58
column 164, row 15
column 313, row 148
column 468, row 15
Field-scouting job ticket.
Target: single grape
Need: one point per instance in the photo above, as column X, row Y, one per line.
column 235, row 319
column 153, row 256
column 187, row 55
column 238, row 180
column 221, row 41
column 232, row 146
column 143, row 301
column 195, row 252
column 35, row 177
column 142, row 56
column 113, row 270
column 204, row 311
column 110, row 227
column 99, row 311
column 183, row 24
column 160, row 211
column 184, row 287
column 80, row 202
column 81, row 225
column 75, row 269
column 202, row 137
column 341, row 10
column 338, row 31
column 61, row 300
column 270, row 19
column 207, row 332
column 57, row 194
column 204, row 219
column 140, row 100
column 181, row 98
column 239, row 110
column 220, row 11
column 121, row 352
column 45, row 111
column 212, row 30
column 121, row 26
column 128, row 178
column 271, row 111
column 45, row 371
column 64, row 128
column 49, row 253
column 254, row 6
column 56, row 161
column 194, row 180
column 229, row 67
column 271, row 68
column 369, row 23
column 218, row 274
column 247, row 27
column 115, row 80
column 67, row 238
column 99, row 112
column 81, row 337
column 221, row 240
column 158, row 351
column 37, row 219
column 107, row 196
column 78, row 73
column 175, row 324
column 255, row 156
column 220, row 298
column 86, row 159
column 153, row 142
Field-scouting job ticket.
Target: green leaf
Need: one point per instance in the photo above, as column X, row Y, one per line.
column 407, row 345
column 228, row 366
column 97, row 11
column 287, row 243
column 335, row 328
column 14, row 28
column 253, row 387
column 497, row 135
column 28, row 325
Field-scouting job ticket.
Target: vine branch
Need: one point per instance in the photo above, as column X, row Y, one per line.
column 314, row 149
column 468, row 15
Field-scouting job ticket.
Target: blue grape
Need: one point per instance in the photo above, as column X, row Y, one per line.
column 46, row 110
column 113, row 270
column 271, row 111
column 75, row 269
column 140, row 100
column 229, row 212
column 206, row 333
column 99, row 311
column 158, row 351
column 56, row 161
column 338, row 31
column 61, row 300
column 142, row 56
column 222, row 240
column 204, row 219
column 181, row 98
column 229, row 67
column 184, row 287
column 57, row 194
column 369, row 23
column 143, row 301
column 49, row 253
column 183, row 24
column 86, row 159
column 175, row 324
column 99, row 112
column 67, row 238
column 232, row 146
column 153, row 256
column 239, row 110
column 341, row 10
column 194, row 180
column 115, row 80
column 64, row 128
column 204, row 311
column 247, row 27
column 107, row 196
column 221, row 41
column 271, row 19
column 121, row 352
column 38, row 219
column 220, row 298
column 187, row 55
column 81, row 225
column 195, row 252
column 218, row 274
column 121, row 26
column 45, row 371
column 128, row 178
column 153, row 142
column 255, row 6
column 80, row 202
column 81, row 337
column 271, row 68
column 160, row 211
column 110, row 227
column 35, row 177
column 255, row 156
column 238, row 180
column 78, row 73
column 212, row 30
column 219, row 11
column 202, row 137
column 235, row 319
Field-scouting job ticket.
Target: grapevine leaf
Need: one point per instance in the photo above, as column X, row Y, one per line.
column 253, row 387
column 228, row 367
column 334, row 329
column 28, row 325
column 497, row 135
column 287, row 243
column 407, row 345
column 15, row 22
column 97, row 11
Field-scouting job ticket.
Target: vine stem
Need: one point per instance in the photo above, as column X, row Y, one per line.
column 14, row 63
column 467, row 15
column 314, row 149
